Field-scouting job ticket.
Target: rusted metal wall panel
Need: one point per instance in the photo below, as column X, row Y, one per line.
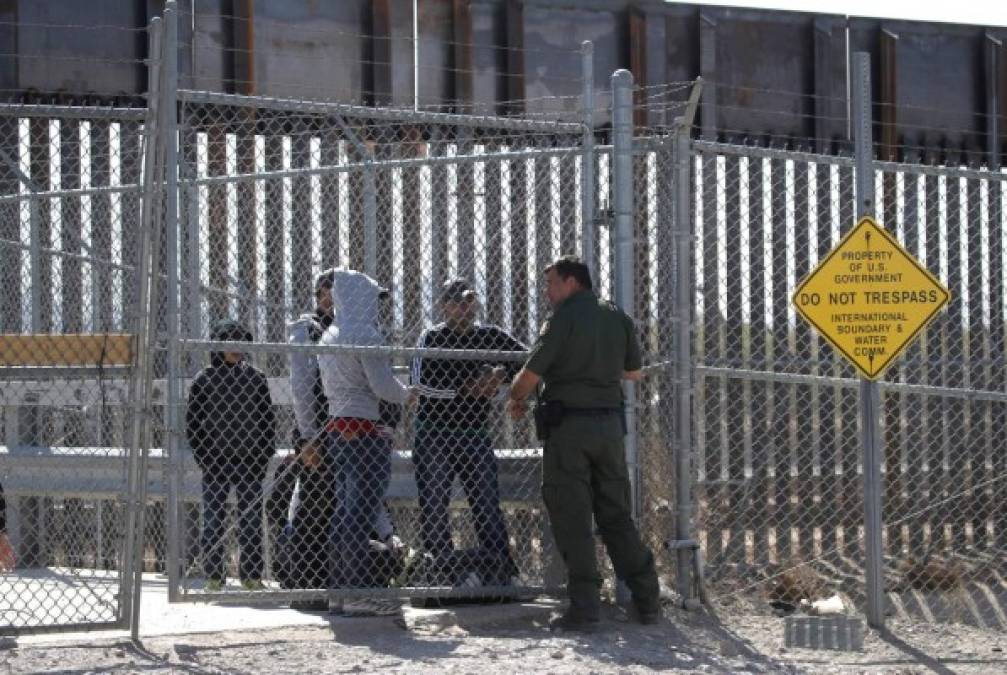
column 772, row 74
column 749, row 96
column 305, row 48
column 937, row 80
column 8, row 49
column 435, row 60
column 55, row 54
column 553, row 34
column 211, row 42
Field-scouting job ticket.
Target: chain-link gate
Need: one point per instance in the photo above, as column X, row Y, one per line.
column 71, row 228
column 456, row 217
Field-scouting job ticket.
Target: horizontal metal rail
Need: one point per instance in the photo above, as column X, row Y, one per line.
column 72, row 112
column 384, row 164
column 839, row 160
column 851, row 383
column 359, row 350
column 76, row 192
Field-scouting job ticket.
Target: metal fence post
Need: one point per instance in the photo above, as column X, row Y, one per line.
column 35, row 262
column 370, row 217
column 624, row 269
column 683, row 379
column 588, row 191
column 870, row 400
column 144, row 327
column 169, row 106
column 190, row 173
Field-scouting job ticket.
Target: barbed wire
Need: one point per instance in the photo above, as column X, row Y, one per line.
column 734, row 86
column 74, row 26
column 80, row 59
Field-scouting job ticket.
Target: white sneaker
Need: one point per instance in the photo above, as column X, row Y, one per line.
column 473, row 580
column 371, row 607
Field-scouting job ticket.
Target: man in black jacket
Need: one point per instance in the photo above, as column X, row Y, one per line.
column 230, row 428
column 6, row 550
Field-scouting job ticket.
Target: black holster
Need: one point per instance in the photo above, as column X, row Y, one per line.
column 548, row 414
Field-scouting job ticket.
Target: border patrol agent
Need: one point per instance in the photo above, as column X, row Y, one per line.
column 583, row 352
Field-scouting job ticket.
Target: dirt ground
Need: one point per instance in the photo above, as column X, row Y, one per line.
column 516, row 639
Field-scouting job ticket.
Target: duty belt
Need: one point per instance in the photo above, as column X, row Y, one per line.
column 586, row 412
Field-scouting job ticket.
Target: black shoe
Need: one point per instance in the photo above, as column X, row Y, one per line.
column 648, row 617
column 570, row 622
column 426, row 603
column 310, row 605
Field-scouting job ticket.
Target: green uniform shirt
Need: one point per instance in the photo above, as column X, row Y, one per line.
column 582, row 351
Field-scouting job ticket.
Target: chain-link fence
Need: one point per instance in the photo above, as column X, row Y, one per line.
column 777, row 424
column 71, row 228
column 343, row 293
column 777, row 440
column 944, row 493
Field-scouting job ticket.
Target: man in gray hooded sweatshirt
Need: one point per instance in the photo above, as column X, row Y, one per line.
column 359, row 452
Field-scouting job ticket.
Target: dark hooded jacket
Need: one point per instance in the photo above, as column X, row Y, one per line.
column 229, row 421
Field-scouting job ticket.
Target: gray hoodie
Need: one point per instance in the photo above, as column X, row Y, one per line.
column 354, row 383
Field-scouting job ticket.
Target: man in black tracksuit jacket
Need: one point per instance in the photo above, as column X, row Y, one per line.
column 230, row 428
column 453, row 434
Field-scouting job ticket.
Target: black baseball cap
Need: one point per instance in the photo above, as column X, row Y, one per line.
column 456, row 290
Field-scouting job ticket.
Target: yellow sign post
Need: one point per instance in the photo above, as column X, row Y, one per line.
column 870, row 298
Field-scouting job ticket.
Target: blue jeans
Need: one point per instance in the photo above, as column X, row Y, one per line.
column 440, row 455
column 247, row 484
column 361, row 469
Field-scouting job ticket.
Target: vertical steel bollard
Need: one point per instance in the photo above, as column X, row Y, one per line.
column 588, row 189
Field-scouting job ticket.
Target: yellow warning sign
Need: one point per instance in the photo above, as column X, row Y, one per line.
column 870, row 298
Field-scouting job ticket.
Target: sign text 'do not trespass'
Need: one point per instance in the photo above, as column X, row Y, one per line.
column 870, row 297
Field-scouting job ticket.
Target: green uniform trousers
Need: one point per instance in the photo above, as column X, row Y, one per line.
column 583, row 474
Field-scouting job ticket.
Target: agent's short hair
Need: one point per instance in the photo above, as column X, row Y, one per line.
column 571, row 266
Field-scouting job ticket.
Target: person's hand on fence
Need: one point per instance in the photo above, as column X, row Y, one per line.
column 517, row 409
column 486, row 385
column 311, row 455
column 7, row 559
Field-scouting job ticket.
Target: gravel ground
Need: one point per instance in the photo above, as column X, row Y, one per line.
column 516, row 639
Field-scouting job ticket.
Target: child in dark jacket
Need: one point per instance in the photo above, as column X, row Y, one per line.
column 230, row 428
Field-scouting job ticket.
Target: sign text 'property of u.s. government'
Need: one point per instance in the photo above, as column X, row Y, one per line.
column 870, row 298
